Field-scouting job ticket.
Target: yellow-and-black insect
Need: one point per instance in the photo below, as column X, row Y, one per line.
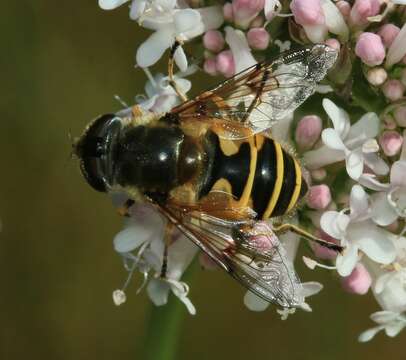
column 211, row 169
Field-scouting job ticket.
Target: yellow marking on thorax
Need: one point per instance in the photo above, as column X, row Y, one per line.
column 222, row 185
column 298, row 186
column 278, row 183
column 259, row 141
column 229, row 147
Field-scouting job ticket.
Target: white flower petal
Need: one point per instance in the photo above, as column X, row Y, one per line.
column 322, row 156
column 311, row 288
column 334, row 223
column 331, row 138
column 180, row 59
column 367, row 127
column 186, row 20
column 369, row 334
column 358, row 202
column 180, row 255
column 346, row 262
column 158, row 291
column 373, row 241
column 316, row 33
column 212, row 17
column 376, row 164
column 381, row 211
column 111, row 4
column 398, row 173
column 151, row 50
column 137, row 8
column 384, row 316
column 398, row 48
column 240, row 49
column 354, row 164
column 395, row 328
column 334, row 19
column 254, row 303
column 381, row 282
column 339, row 117
column 370, row 181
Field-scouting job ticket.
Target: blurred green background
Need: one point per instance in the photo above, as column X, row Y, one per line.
column 61, row 63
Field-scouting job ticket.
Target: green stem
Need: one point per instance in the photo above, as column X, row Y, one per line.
column 164, row 325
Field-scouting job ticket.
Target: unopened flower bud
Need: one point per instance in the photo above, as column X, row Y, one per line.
column 358, row 282
column 389, row 122
column 258, row 38
column 307, row 12
column 377, row 76
column 308, row 130
column 400, row 115
column 362, row 10
column 391, row 142
column 225, row 63
column 209, row 66
column 213, row 40
column 370, row 49
column 388, row 32
column 344, row 7
column 319, row 197
column 333, row 43
column 228, row 12
column 319, row 174
column 245, row 11
column 393, row 89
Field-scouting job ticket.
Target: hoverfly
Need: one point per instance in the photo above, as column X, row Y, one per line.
column 212, row 171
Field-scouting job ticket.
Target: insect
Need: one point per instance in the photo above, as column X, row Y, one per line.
column 213, row 171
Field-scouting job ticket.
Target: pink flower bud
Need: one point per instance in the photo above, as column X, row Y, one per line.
column 391, row 142
column 344, row 7
column 307, row 12
column 319, row 174
column 370, row 49
column 209, row 66
column 308, row 130
column 333, row 43
column 393, row 90
column 225, row 63
column 388, row 32
column 319, row 197
column 228, row 12
column 258, row 38
column 213, row 40
column 321, row 251
column 362, row 9
column 377, row 76
column 389, row 122
column 358, row 282
column 400, row 115
column 246, row 10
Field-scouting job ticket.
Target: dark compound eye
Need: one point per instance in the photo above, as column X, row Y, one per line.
column 96, row 149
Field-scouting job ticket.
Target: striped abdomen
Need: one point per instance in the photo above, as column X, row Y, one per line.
column 259, row 174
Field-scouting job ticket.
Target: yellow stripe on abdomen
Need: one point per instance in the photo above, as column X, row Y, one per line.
column 298, row 186
column 278, row 183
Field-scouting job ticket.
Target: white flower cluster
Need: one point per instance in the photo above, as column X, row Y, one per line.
column 367, row 227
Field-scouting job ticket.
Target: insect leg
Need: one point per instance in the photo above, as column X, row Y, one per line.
column 172, row 81
column 167, row 239
column 297, row 230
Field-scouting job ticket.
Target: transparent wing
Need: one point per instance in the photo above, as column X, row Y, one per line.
column 248, row 250
column 262, row 94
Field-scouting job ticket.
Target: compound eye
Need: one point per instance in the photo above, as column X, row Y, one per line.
column 96, row 150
